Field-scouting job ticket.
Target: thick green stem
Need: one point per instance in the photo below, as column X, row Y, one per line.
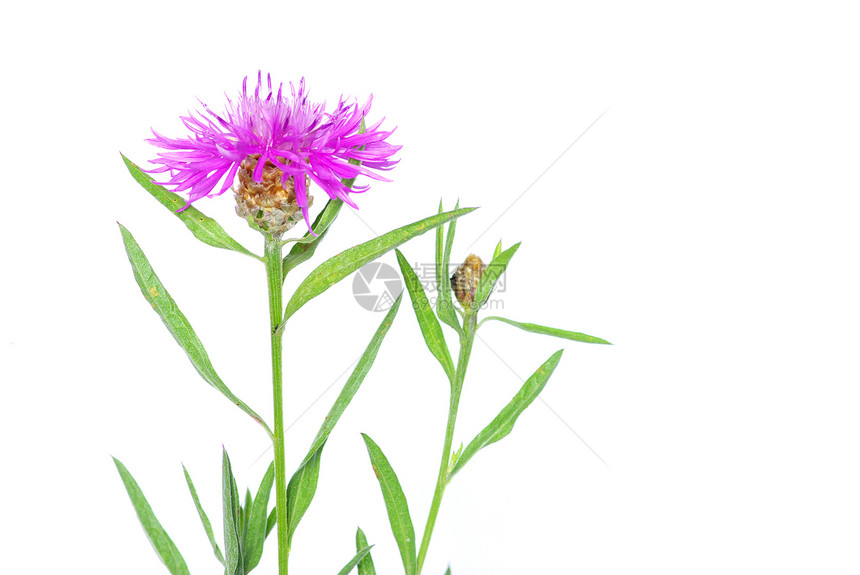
column 466, row 341
column 275, row 278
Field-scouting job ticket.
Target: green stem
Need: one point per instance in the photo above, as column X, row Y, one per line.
column 275, row 279
column 466, row 341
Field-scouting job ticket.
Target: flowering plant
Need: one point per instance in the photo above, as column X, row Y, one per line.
column 270, row 148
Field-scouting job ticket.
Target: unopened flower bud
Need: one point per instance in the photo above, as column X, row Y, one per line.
column 465, row 280
column 271, row 203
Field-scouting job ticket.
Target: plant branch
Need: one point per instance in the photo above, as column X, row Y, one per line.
column 466, row 341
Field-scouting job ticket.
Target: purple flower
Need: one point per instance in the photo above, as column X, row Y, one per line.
column 295, row 135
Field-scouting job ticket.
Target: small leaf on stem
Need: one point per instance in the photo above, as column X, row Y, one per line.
column 255, row 531
column 494, row 270
column 544, row 330
column 304, row 248
column 430, row 328
column 207, row 526
column 355, row 560
column 231, row 510
column 176, row 322
column 498, row 250
column 395, row 503
column 302, row 486
column 365, row 566
column 343, row 264
column 156, row 534
column 504, row 422
column 202, row 226
column 444, row 300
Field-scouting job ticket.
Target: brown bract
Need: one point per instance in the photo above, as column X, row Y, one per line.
column 271, row 203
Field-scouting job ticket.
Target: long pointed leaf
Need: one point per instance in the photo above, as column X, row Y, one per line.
column 255, row 532
column 245, row 517
column 504, row 422
column 301, row 490
column 158, row 537
column 232, row 547
column 355, row 561
column 340, row 266
column 350, row 388
column 207, row 526
column 202, row 226
column 175, row 321
column 544, row 330
column 444, row 300
column 271, row 521
column 494, row 270
column 365, row 566
column 321, row 223
column 440, row 249
column 304, row 248
column 430, row 328
column 302, row 486
column 395, row 504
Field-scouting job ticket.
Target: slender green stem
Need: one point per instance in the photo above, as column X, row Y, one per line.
column 275, row 278
column 466, row 341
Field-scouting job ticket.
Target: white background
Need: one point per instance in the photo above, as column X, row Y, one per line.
column 706, row 225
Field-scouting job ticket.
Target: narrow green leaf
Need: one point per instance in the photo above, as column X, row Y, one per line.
column 304, row 249
column 255, row 532
column 342, row 265
column 365, row 566
column 395, row 503
column 542, row 329
column 444, row 299
column 494, row 270
column 454, row 457
column 301, row 490
column 270, row 523
column 350, row 388
column 448, row 570
column 232, row 547
column 355, row 561
column 302, row 486
column 202, row 226
column 158, row 537
column 245, row 516
column 440, row 250
column 156, row 294
column 504, row 422
column 207, row 526
column 323, row 220
column 430, row 328
column 302, row 252
column 498, row 250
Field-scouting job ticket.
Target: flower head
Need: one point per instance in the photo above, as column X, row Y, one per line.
column 464, row 282
column 296, row 138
